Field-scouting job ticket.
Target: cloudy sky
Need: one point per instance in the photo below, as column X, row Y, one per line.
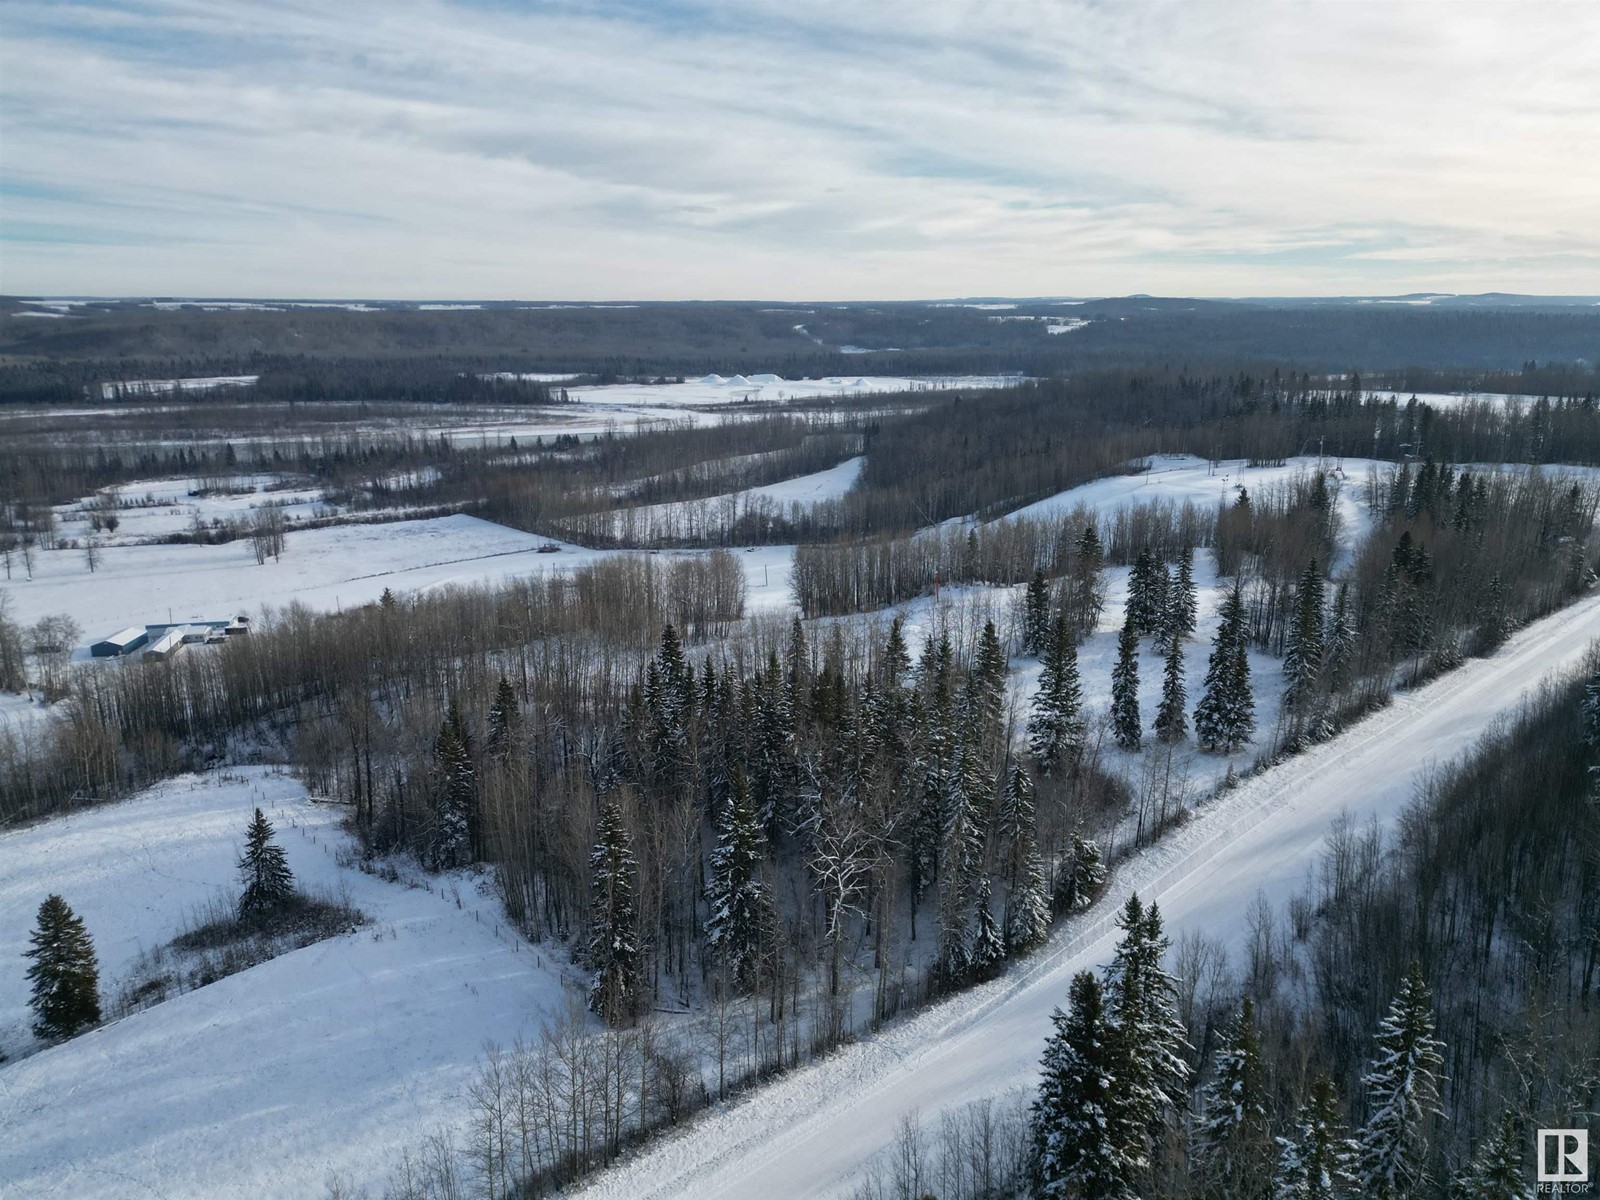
column 799, row 149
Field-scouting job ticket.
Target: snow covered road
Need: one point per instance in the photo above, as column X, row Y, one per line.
column 806, row 1134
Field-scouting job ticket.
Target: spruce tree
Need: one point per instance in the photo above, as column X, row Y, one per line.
column 1125, row 722
column 895, row 664
column 669, row 703
column 613, row 920
column 988, row 947
column 65, row 976
column 505, row 723
column 1172, row 721
column 1036, row 615
column 986, row 695
column 1224, row 720
column 1497, row 1171
column 740, row 920
column 1339, row 644
column 1081, row 877
column 1319, row 1161
column 1055, row 728
column 1144, row 606
column 1027, row 911
column 1086, row 594
column 1302, row 662
column 264, row 872
column 1402, row 1085
column 1072, row 1151
column 1231, row 1150
column 960, row 864
column 455, row 794
column 1182, row 607
column 1148, row 1042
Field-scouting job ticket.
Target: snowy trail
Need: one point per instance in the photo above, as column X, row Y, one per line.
column 806, row 1134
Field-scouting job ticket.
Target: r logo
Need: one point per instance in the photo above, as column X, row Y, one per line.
column 1563, row 1156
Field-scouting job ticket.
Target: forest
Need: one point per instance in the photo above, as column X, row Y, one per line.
column 1424, row 1005
column 387, row 351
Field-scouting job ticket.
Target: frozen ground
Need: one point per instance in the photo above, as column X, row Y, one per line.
column 700, row 518
column 161, row 507
column 157, row 387
column 1183, row 477
column 1448, row 399
column 334, row 1057
column 324, row 569
column 17, row 712
column 806, row 1134
column 623, row 406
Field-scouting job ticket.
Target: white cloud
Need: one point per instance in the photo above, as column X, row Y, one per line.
column 423, row 149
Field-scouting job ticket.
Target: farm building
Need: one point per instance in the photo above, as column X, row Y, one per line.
column 161, row 641
column 124, row 641
column 165, row 646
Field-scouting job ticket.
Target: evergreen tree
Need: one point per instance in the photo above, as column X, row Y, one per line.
column 1148, row 1040
column 1036, row 615
column 988, row 947
column 264, row 872
column 1319, row 1161
column 613, row 920
column 1494, row 618
column 64, row 975
column 1184, row 607
column 1125, row 721
column 1497, row 1170
column 1086, row 595
column 960, row 865
column 896, row 661
column 1073, row 1154
column 1224, row 720
column 669, row 703
column 986, row 696
column 1145, row 594
column 1232, row 1147
column 1027, row 912
column 773, row 761
column 740, row 919
column 1172, row 721
column 505, row 723
column 455, row 794
column 1339, row 645
column 1402, row 1094
column 1082, row 876
column 1055, row 728
column 1303, row 660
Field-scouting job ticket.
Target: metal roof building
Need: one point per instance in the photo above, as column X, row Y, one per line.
column 124, row 641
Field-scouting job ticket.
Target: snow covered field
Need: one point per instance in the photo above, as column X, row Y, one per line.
column 623, row 406
column 162, row 507
column 1448, row 399
column 768, row 388
column 806, row 1134
column 324, row 569
column 334, row 1057
column 160, row 387
column 1183, row 477
column 701, row 518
